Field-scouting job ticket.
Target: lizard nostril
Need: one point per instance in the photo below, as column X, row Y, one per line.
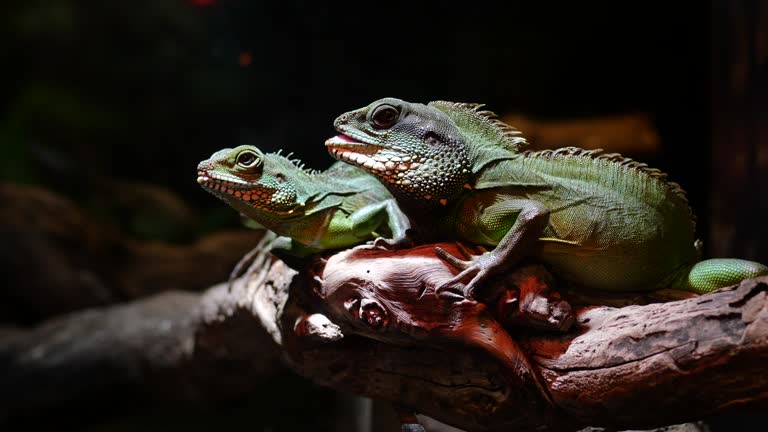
column 340, row 121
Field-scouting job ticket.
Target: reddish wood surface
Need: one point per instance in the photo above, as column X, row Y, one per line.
column 637, row 366
column 629, row 367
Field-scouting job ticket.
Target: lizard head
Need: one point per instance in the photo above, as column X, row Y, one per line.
column 245, row 178
column 414, row 149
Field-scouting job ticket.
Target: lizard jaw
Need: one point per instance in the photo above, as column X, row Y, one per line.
column 346, row 148
column 256, row 196
column 212, row 180
column 365, row 155
column 225, row 187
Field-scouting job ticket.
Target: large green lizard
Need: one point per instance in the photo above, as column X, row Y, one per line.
column 314, row 211
column 598, row 220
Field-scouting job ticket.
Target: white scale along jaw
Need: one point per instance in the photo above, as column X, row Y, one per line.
column 420, row 177
column 268, row 193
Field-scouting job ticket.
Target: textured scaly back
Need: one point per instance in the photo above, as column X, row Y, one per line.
column 630, row 164
column 484, row 126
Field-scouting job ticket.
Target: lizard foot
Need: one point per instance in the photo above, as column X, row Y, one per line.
column 477, row 266
column 392, row 244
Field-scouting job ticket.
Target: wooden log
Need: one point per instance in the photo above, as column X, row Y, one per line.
column 629, row 367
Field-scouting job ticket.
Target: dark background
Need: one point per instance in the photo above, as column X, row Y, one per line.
column 113, row 104
column 143, row 90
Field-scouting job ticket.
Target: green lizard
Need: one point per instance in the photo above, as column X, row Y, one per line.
column 314, row 211
column 598, row 220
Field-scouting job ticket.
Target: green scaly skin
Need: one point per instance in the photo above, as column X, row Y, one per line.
column 314, row 211
column 598, row 220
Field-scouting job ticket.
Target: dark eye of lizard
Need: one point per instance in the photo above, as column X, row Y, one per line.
column 385, row 116
column 247, row 159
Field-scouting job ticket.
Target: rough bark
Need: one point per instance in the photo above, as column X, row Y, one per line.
column 164, row 348
column 637, row 366
column 629, row 367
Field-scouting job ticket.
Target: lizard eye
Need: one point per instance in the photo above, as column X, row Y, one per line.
column 384, row 116
column 247, row 159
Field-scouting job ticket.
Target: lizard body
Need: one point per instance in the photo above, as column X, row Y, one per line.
column 317, row 210
column 598, row 220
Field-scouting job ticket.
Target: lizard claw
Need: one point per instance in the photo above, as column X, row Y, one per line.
column 467, row 292
column 450, row 292
column 453, row 261
column 478, row 267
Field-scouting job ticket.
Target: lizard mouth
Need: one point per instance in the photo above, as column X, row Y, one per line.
column 234, row 191
column 366, row 155
column 224, row 186
column 349, row 149
column 210, row 180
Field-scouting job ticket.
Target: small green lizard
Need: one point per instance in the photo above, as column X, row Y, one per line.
column 598, row 220
column 314, row 211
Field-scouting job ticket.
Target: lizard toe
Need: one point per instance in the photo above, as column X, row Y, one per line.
column 449, row 291
column 453, row 261
column 469, row 291
column 453, row 284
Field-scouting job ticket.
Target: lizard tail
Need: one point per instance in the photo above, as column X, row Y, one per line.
column 709, row 275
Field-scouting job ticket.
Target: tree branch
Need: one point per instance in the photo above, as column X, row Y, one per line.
column 630, row 367
column 680, row 360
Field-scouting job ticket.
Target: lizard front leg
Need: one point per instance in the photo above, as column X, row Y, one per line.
column 398, row 223
column 528, row 219
column 369, row 218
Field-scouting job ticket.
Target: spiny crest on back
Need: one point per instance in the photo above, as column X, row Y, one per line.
column 630, row 164
column 296, row 162
column 483, row 126
column 300, row 165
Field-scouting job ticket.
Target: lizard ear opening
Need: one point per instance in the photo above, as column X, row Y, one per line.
column 432, row 139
